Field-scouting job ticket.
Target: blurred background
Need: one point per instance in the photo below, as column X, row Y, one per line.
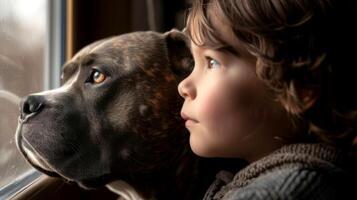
column 38, row 36
column 22, row 45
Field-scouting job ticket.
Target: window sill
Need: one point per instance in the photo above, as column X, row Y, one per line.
column 20, row 184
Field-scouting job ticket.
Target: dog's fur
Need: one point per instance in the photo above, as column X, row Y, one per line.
column 127, row 128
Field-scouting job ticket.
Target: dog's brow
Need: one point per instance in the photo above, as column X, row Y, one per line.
column 88, row 59
column 69, row 68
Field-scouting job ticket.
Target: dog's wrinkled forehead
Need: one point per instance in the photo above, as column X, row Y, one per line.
column 131, row 51
column 126, row 50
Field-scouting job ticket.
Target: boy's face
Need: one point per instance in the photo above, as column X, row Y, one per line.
column 228, row 110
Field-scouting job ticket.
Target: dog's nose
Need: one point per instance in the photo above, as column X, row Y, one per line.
column 32, row 104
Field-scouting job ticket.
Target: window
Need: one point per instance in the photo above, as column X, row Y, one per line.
column 30, row 31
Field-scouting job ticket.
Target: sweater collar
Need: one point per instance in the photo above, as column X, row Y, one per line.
column 320, row 156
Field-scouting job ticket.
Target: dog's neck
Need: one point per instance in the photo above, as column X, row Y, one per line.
column 177, row 181
column 186, row 180
column 174, row 181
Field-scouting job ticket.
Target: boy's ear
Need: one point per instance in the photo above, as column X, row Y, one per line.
column 308, row 98
column 300, row 100
column 179, row 53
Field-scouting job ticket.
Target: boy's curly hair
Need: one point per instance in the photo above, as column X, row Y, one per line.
column 301, row 46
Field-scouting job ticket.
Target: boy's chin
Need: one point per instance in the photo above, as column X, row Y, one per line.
column 201, row 149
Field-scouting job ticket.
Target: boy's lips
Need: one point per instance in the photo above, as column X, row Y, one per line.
column 188, row 119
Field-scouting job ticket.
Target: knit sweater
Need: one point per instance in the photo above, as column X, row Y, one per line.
column 298, row 171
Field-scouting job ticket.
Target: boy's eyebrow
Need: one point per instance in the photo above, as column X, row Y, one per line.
column 228, row 49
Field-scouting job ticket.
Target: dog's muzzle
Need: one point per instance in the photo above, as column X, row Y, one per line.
column 29, row 107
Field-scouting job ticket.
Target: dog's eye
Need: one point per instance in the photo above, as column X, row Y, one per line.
column 96, row 77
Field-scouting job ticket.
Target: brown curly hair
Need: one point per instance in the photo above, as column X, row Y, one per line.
column 300, row 45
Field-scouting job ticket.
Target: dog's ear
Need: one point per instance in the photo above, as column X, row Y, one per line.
column 179, row 53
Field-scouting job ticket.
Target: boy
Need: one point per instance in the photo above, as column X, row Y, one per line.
column 269, row 86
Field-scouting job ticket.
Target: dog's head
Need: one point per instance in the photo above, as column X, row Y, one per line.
column 116, row 113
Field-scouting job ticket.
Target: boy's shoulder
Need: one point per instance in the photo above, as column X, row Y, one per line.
column 297, row 183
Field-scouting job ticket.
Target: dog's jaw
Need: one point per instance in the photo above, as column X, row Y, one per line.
column 36, row 160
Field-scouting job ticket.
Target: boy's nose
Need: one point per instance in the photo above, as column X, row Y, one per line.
column 186, row 89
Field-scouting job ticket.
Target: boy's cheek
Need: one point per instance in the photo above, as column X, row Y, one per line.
column 213, row 108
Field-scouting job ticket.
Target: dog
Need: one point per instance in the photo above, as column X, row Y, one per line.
column 116, row 121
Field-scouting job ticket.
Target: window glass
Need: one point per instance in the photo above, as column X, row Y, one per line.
column 22, row 58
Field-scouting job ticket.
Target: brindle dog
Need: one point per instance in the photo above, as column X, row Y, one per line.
column 116, row 117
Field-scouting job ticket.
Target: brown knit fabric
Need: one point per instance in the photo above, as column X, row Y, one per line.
column 314, row 156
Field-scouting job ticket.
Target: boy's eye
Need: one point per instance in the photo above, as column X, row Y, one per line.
column 96, row 77
column 212, row 63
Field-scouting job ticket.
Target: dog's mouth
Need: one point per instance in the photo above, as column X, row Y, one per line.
column 42, row 163
column 31, row 155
